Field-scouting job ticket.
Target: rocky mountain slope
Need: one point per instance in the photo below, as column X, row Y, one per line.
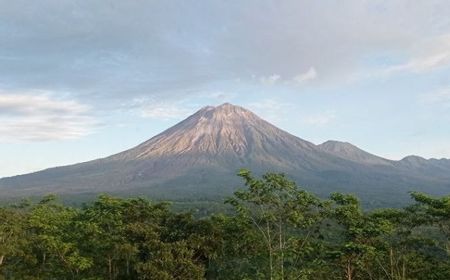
column 198, row 159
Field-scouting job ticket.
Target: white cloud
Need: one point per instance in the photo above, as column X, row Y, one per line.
column 270, row 109
column 422, row 57
column 278, row 112
column 218, row 96
column 319, row 119
column 270, row 80
column 311, row 74
column 37, row 116
column 147, row 108
column 168, row 52
column 427, row 56
column 441, row 96
column 423, row 64
column 164, row 111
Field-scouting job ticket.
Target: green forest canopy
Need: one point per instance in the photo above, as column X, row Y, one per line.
column 276, row 231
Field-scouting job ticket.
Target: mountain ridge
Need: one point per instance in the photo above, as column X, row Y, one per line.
column 201, row 154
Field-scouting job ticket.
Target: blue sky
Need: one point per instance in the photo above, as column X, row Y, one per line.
column 85, row 79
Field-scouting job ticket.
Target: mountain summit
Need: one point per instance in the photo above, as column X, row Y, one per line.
column 225, row 129
column 225, row 132
column 198, row 158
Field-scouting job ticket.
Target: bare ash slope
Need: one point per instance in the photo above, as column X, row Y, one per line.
column 226, row 133
column 199, row 156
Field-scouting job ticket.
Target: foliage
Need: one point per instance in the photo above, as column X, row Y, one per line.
column 274, row 230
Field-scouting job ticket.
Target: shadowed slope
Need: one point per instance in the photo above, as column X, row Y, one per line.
column 199, row 156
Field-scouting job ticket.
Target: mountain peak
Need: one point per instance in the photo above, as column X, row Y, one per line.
column 199, row 156
column 413, row 160
column 228, row 107
column 351, row 152
column 225, row 114
column 226, row 104
column 222, row 106
column 226, row 130
column 333, row 144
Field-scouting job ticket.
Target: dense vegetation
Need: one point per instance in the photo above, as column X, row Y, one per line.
column 276, row 231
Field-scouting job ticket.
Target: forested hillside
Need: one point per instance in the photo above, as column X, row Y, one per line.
column 276, row 231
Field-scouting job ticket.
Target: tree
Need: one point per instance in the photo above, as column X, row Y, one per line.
column 102, row 226
column 53, row 240
column 277, row 231
column 436, row 212
column 284, row 217
column 12, row 239
column 359, row 245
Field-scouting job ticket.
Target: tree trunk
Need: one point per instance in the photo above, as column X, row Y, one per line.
column 110, row 269
column 349, row 270
column 391, row 261
column 403, row 270
column 280, row 236
column 1, row 259
column 270, row 251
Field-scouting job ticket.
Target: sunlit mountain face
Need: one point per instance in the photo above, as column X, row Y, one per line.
column 199, row 157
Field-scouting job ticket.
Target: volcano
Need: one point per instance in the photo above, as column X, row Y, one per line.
column 199, row 157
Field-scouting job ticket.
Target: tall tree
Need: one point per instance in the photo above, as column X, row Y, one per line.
column 284, row 217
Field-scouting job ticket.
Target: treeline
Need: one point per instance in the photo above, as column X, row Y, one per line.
column 277, row 231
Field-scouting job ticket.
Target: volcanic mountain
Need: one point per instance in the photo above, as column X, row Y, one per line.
column 199, row 157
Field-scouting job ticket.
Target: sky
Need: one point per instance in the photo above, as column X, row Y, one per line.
column 81, row 80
